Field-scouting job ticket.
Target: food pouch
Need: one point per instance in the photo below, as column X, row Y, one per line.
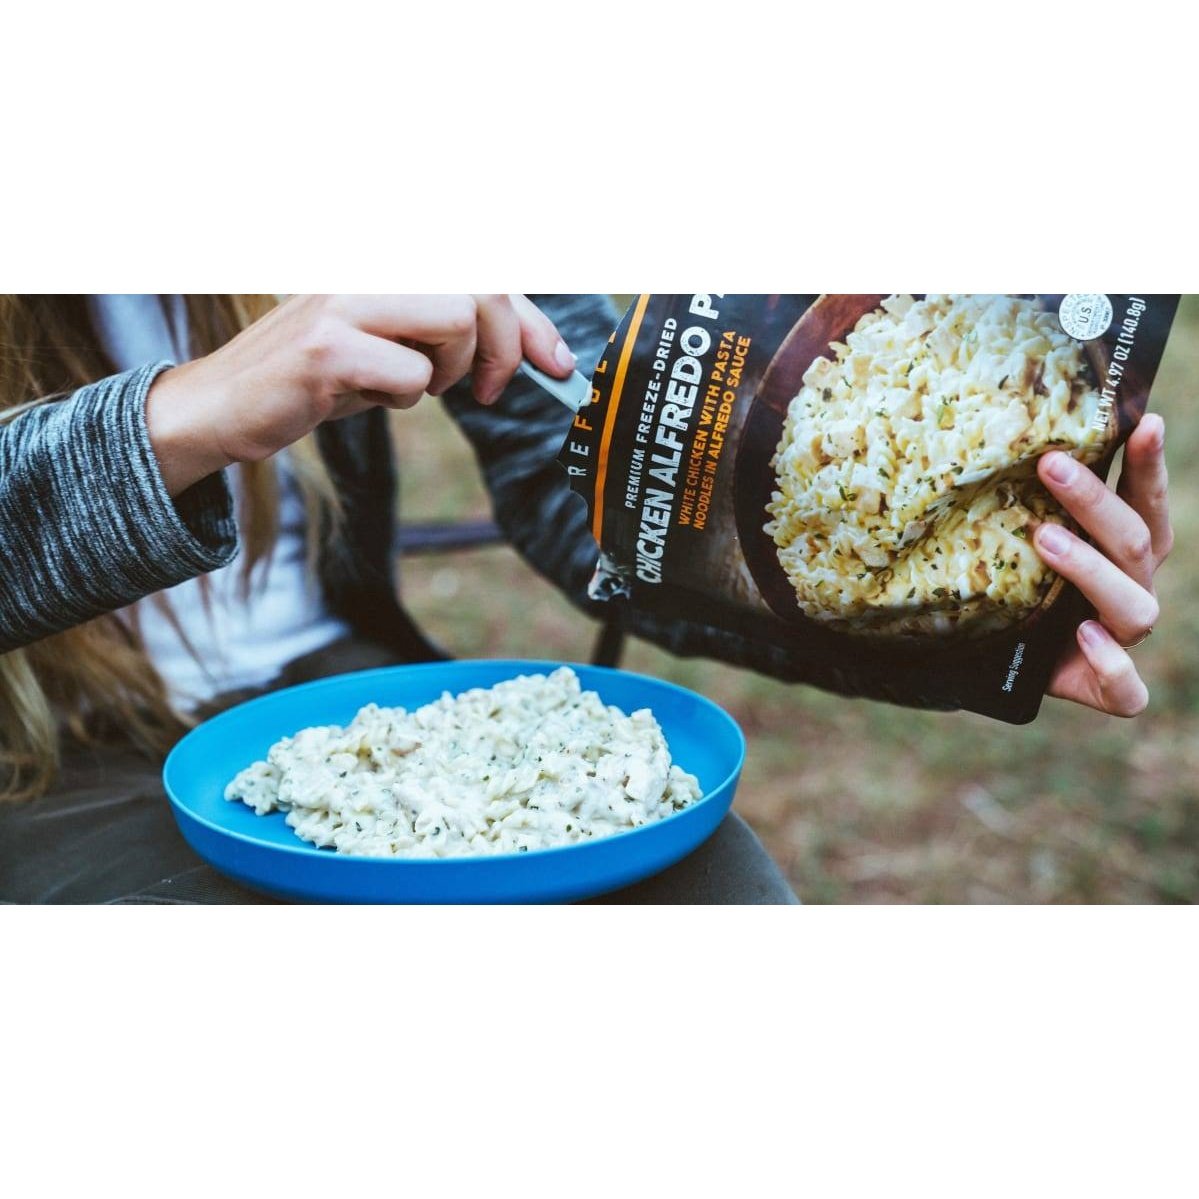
column 852, row 478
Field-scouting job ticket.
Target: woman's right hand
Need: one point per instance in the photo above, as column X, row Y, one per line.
column 319, row 358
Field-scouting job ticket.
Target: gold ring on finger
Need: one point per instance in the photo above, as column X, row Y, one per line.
column 1140, row 640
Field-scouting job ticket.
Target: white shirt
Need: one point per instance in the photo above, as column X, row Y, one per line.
column 236, row 642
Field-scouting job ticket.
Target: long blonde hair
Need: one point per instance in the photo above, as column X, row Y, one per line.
column 96, row 677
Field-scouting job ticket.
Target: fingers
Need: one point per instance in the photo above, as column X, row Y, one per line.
column 431, row 320
column 482, row 335
column 382, row 371
column 542, row 343
column 1144, row 481
column 443, row 327
column 1118, row 688
column 1132, row 526
column 509, row 327
column 497, row 354
column 1115, row 525
column 451, row 359
column 1127, row 608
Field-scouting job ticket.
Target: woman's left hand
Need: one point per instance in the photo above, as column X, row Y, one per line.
column 1131, row 529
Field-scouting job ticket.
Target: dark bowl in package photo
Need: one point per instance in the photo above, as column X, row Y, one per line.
column 853, row 477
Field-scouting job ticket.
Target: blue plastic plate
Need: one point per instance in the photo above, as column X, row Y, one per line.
column 264, row 853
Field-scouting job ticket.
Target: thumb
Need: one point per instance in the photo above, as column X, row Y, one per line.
column 540, row 341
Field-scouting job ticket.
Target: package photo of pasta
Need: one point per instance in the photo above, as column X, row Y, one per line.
column 854, row 477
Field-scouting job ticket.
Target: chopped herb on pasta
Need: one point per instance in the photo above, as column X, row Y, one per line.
column 918, row 439
column 531, row 763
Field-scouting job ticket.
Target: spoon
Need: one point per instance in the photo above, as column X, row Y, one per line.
column 574, row 392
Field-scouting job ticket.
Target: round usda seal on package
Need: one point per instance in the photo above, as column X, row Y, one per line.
column 1085, row 317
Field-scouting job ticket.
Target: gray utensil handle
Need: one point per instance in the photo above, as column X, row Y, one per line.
column 574, row 391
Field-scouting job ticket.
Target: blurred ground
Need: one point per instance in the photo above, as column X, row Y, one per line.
column 865, row 803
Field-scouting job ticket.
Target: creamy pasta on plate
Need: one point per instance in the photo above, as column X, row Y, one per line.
column 531, row 763
column 906, row 472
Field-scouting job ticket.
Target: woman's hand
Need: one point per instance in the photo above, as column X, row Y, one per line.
column 319, row 358
column 1131, row 528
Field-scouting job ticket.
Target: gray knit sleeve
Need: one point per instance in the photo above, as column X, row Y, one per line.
column 86, row 524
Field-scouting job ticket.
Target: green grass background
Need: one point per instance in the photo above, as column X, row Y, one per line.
column 863, row 802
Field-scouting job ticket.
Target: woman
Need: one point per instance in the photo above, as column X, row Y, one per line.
column 118, row 491
column 120, row 602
